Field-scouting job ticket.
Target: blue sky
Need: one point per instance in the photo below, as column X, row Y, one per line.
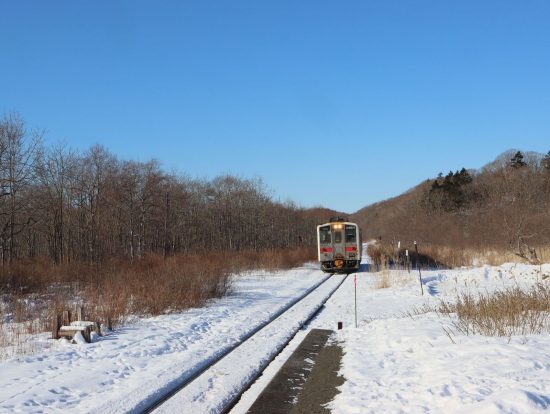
column 338, row 104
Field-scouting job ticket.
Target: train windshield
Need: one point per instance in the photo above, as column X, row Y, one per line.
column 351, row 234
column 337, row 237
column 324, row 234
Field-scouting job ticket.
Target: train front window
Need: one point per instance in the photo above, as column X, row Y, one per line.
column 324, row 234
column 337, row 237
column 351, row 234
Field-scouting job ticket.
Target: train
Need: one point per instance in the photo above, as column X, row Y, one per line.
column 339, row 246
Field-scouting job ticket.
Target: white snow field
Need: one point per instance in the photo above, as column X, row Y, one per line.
column 122, row 371
column 211, row 391
column 393, row 363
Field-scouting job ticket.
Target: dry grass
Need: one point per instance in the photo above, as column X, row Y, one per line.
column 155, row 285
column 387, row 255
column 382, row 280
column 115, row 288
column 544, row 254
column 503, row 313
column 17, row 326
column 381, row 253
column 418, row 311
column 433, row 256
column 273, row 259
column 32, row 292
column 444, row 256
column 496, row 257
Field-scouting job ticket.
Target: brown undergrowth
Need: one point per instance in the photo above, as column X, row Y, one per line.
column 433, row 256
column 382, row 280
column 512, row 311
column 32, row 291
column 273, row 259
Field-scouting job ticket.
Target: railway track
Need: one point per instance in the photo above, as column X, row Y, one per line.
column 200, row 384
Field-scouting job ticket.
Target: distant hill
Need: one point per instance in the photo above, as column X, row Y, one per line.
column 530, row 157
column 318, row 215
column 502, row 205
column 378, row 218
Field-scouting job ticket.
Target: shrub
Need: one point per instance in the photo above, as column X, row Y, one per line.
column 383, row 279
column 503, row 313
column 33, row 291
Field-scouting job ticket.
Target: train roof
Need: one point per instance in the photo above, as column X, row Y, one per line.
column 339, row 222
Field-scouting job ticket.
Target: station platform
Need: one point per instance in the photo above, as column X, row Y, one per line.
column 306, row 381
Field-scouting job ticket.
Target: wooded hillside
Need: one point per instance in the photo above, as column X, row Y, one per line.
column 504, row 206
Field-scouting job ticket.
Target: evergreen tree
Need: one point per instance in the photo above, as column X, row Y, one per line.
column 449, row 180
column 447, row 193
column 517, row 161
column 464, row 177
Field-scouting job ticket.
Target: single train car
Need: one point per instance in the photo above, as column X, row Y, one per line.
column 339, row 246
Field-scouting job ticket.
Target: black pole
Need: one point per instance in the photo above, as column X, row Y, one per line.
column 418, row 265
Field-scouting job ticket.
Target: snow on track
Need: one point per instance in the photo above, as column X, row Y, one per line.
column 223, row 381
column 139, row 361
column 397, row 363
column 392, row 362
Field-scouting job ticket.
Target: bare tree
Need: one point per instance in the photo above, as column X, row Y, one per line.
column 55, row 170
column 18, row 152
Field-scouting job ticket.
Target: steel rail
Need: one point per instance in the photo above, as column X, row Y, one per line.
column 150, row 406
column 234, row 400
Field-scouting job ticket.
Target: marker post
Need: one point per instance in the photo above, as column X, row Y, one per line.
column 398, row 255
column 418, row 266
column 355, row 288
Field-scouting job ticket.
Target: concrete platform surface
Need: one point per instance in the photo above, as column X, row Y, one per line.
column 306, row 381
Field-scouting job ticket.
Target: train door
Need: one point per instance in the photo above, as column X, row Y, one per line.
column 325, row 243
column 338, row 245
column 350, row 239
column 338, row 240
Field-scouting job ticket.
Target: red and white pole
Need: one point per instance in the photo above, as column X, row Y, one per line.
column 355, row 288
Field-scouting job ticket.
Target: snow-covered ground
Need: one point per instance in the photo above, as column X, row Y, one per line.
column 120, row 371
column 395, row 363
column 211, row 392
column 392, row 362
